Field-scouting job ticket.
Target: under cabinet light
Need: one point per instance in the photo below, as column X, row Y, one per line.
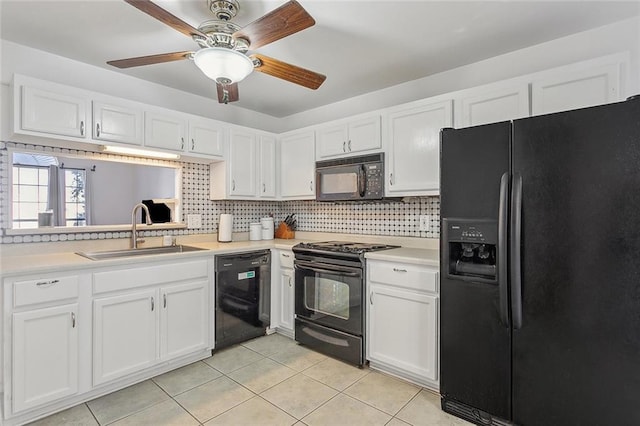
column 138, row 152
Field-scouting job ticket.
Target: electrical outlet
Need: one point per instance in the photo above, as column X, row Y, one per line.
column 424, row 222
column 194, row 221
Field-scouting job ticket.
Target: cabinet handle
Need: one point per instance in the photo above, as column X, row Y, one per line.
column 344, row 146
column 399, row 270
column 97, row 130
column 82, row 128
column 182, row 143
column 289, row 281
column 153, row 304
column 390, row 178
column 47, row 283
column 349, row 145
column 285, row 255
column 311, row 186
column 233, row 184
column 264, row 187
column 371, row 298
column 193, row 144
column 73, row 320
column 164, row 300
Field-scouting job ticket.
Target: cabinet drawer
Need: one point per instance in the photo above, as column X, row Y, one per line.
column 286, row 259
column 404, row 275
column 124, row 279
column 46, row 289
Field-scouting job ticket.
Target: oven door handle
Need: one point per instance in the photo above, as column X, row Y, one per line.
column 314, row 267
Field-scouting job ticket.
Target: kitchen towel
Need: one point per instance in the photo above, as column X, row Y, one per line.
column 225, row 228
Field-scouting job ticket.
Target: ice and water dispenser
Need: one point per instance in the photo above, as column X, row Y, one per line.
column 471, row 249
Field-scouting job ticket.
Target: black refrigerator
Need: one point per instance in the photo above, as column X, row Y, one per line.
column 540, row 269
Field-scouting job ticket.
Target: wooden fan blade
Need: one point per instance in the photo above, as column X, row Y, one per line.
column 151, row 59
column 165, row 17
column 289, row 72
column 231, row 95
column 279, row 23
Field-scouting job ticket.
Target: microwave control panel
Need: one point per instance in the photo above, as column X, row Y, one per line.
column 375, row 180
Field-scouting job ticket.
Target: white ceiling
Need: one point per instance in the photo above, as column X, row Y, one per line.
column 361, row 45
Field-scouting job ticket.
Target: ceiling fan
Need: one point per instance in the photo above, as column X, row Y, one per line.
column 223, row 45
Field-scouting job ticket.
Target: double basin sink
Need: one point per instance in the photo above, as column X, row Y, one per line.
column 115, row 254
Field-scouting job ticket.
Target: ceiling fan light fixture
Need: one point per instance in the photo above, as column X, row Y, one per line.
column 223, row 65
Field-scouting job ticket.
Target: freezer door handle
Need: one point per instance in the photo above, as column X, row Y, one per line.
column 516, row 239
column 503, row 220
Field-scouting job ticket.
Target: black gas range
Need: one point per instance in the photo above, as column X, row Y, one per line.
column 329, row 297
column 341, row 247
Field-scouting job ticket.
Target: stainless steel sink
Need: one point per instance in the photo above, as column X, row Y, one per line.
column 114, row 254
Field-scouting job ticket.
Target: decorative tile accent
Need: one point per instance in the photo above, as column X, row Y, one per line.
column 394, row 218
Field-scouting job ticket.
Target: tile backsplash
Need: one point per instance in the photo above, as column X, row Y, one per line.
column 396, row 218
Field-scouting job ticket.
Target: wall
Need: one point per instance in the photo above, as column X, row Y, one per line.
column 377, row 218
column 623, row 36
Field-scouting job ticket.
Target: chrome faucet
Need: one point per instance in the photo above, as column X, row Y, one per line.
column 134, row 237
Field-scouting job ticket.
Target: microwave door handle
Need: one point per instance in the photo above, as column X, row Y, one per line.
column 362, row 180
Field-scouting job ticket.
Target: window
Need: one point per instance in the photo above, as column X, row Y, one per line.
column 38, row 177
column 74, row 205
column 30, row 194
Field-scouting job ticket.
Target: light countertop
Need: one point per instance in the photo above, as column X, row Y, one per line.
column 34, row 258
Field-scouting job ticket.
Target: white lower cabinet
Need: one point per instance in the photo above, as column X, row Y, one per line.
column 183, row 319
column 282, row 292
column 124, row 334
column 45, row 355
column 402, row 320
column 74, row 337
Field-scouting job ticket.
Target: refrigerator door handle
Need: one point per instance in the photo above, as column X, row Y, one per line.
column 516, row 239
column 503, row 220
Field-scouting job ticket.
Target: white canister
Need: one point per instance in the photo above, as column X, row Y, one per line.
column 255, row 231
column 225, row 228
column 267, row 228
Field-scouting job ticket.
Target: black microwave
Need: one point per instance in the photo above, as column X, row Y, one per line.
column 350, row 179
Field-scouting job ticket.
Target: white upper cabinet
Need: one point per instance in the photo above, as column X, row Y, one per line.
column 50, row 112
column 297, row 166
column 165, row 131
column 241, row 163
column 413, row 156
column 267, row 182
column 117, row 123
column 355, row 136
column 206, row 137
column 571, row 89
column 492, row 104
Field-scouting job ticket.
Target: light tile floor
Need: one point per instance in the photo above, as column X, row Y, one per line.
column 270, row 380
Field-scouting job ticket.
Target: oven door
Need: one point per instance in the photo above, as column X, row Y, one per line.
column 329, row 295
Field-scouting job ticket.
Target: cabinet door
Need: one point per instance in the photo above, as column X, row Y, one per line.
column 184, row 319
column 364, row 135
column 267, row 185
column 579, row 89
column 162, row 131
column 413, row 161
column 242, row 163
column 206, row 137
column 286, row 299
column 332, row 140
column 403, row 328
column 500, row 104
column 49, row 112
column 117, row 123
column 45, row 356
column 125, row 334
column 297, row 166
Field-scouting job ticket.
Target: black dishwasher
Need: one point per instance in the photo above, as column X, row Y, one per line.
column 243, row 296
